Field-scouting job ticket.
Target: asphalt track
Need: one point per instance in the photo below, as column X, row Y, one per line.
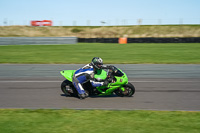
column 158, row 87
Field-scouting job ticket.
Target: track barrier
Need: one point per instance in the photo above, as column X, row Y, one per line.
column 141, row 40
column 122, row 40
column 37, row 40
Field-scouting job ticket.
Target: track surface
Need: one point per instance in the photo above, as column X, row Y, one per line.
column 158, row 87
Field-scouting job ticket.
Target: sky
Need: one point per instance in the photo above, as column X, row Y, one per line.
column 100, row 12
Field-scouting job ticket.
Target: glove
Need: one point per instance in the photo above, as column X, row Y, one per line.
column 110, row 67
column 109, row 80
column 105, row 83
column 107, row 67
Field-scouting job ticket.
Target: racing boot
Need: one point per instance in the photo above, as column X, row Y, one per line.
column 86, row 93
column 82, row 96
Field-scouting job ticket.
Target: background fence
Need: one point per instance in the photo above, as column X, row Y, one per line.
column 108, row 22
column 37, row 40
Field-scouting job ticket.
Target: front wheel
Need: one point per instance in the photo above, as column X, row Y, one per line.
column 128, row 92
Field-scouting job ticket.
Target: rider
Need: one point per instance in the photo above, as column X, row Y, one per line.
column 85, row 74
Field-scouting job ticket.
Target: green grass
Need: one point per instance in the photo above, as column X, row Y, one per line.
column 97, row 121
column 81, row 53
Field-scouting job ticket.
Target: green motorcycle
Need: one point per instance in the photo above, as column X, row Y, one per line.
column 118, row 83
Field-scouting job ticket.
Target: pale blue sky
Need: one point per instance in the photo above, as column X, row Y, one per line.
column 92, row 12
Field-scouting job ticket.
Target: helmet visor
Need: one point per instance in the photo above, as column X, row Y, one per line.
column 99, row 65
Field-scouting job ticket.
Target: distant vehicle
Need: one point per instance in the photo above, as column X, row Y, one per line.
column 41, row 23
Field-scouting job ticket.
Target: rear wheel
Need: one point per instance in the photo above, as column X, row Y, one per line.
column 68, row 89
column 128, row 92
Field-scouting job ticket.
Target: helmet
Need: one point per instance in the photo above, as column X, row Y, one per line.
column 97, row 62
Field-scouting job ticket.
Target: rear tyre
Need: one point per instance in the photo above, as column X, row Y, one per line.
column 128, row 92
column 68, row 88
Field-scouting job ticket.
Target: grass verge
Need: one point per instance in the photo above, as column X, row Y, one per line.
column 81, row 53
column 90, row 121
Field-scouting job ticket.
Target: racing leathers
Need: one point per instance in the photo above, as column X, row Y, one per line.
column 83, row 75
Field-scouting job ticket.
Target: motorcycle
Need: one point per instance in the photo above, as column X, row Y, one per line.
column 117, row 83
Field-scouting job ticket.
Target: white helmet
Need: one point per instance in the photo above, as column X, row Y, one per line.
column 97, row 62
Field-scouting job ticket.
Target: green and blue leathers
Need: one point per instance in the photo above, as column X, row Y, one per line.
column 83, row 75
column 117, row 83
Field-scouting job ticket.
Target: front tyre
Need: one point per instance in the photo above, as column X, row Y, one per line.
column 128, row 92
